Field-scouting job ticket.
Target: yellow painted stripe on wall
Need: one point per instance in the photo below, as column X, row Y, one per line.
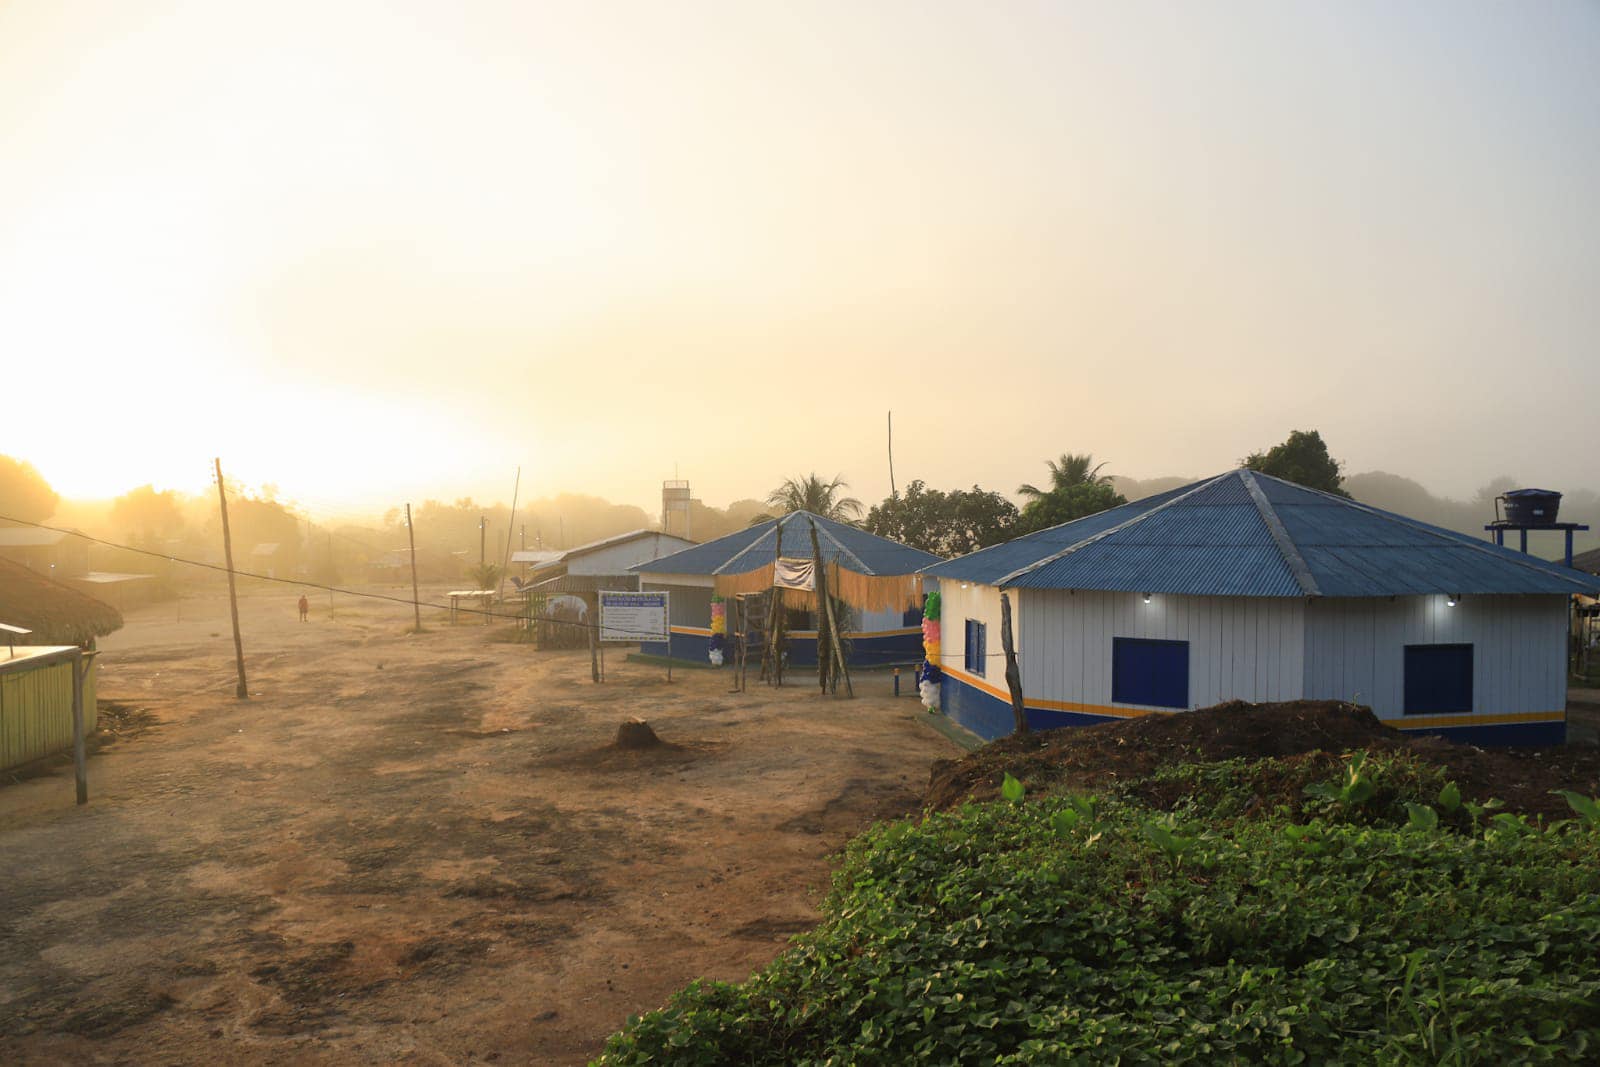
column 1431, row 722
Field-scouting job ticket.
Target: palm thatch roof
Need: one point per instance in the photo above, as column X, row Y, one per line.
column 56, row 613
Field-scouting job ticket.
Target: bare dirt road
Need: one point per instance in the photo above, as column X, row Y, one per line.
column 416, row 847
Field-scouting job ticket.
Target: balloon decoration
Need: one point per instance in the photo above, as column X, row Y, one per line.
column 719, row 631
column 928, row 679
column 928, row 675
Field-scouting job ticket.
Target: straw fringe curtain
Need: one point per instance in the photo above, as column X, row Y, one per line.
column 866, row 592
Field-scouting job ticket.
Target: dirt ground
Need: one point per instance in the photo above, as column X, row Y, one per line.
column 1117, row 752
column 415, row 847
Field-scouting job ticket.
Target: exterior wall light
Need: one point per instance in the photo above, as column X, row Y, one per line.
column 1452, row 600
column 1147, row 598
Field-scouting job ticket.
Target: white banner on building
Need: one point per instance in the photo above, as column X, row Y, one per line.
column 794, row 573
column 628, row 618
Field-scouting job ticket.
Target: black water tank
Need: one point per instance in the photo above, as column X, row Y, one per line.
column 1532, row 507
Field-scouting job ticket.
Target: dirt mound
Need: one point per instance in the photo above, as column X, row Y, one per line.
column 636, row 734
column 1093, row 757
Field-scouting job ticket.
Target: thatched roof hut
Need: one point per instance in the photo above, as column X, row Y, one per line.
column 57, row 614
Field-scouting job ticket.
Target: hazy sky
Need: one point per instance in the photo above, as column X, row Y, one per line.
column 380, row 251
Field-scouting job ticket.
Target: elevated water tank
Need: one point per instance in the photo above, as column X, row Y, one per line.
column 1531, row 507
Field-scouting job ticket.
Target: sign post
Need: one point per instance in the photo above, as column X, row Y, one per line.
column 629, row 618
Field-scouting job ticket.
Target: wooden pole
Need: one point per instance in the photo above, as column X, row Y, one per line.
column 819, row 585
column 593, row 623
column 416, row 604
column 1019, row 713
column 330, row 576
column 840, row 668
column 505, row 564
column 242, row 691
column 80, row 762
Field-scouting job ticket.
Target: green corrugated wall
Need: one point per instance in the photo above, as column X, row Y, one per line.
column 36, row 712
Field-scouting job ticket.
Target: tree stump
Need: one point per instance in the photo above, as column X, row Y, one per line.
column 636, row 733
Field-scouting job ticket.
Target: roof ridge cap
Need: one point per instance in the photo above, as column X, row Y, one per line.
column 1020, row 571
column 1280, row 535
column 861, row 566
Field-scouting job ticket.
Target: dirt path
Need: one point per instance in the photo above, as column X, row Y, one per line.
column 415, row 847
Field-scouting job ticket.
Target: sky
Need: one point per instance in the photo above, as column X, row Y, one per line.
column 377, row 252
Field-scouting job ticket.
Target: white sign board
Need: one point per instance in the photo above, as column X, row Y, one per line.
column 629, row 618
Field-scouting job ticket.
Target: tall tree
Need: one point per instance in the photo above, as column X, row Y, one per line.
column 946, row 524
column 24, row 494
column 1067, row 505
column 1070, row 470
column 143, row 514
column 1303, row 459
column 813, row 494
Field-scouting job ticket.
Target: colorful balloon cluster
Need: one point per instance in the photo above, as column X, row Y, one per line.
column 719, row 631
column 928, row 675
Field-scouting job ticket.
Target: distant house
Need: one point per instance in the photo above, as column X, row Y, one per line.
column 1588, row 562
column 264, row 559
column 53, row 552
column 597, row 565
column 1246, row 587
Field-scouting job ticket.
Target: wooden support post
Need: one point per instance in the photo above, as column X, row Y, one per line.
column 242, row 691
column 819, row 585
column 594, row 642
column 1019, row 712
column 80, row 761
column 416, row 603
column 841, row 668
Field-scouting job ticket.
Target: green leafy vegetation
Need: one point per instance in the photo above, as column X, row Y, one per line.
column 1213, row 913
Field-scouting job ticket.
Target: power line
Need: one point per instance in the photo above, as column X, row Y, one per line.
column 302, row 583
column 305, row 584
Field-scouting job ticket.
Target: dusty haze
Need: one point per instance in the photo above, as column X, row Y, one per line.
column 371, row 254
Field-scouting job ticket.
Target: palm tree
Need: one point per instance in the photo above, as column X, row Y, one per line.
column 1066, row 472
column 813, row 494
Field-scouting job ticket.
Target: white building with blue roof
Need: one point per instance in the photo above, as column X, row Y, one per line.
column 1247, row 587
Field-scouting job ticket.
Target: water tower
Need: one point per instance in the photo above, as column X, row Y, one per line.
column 1530, row 509
column 675, row 501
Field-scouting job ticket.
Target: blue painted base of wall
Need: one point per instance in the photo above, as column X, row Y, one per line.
column 990, row 718
column 1519, row 734
column 864, row 651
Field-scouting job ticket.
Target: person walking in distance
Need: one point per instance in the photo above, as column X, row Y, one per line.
column 305, row 608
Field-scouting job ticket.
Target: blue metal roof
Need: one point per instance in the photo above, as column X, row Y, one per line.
column 746, row 550
column 1248, row 534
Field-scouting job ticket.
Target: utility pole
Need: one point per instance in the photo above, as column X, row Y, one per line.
column 411, row 535
column 483, row 533
column 330, row 575
column 242, row 691
column 892, row 491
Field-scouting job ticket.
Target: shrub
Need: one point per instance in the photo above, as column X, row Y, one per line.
column 1072, row 931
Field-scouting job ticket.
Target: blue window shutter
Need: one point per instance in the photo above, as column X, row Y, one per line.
column 1438, row 679
column 1153, row 673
